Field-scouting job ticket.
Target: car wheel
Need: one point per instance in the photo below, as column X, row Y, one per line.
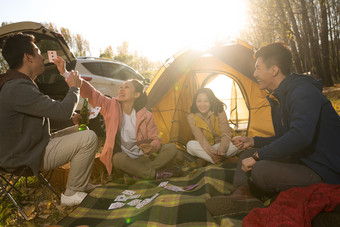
column 98, row 125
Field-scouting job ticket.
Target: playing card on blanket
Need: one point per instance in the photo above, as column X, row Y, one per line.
column 189, row 187
column 128, row 192
column 116, row 205
column 143, row 203
column 146, row 201
column 163, row 184
column 153, row 197
column 134, row 196
column 174, row 188
column 121, row 198
column 134, row 202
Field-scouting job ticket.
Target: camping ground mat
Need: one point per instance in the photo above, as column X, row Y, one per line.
column 168, row 208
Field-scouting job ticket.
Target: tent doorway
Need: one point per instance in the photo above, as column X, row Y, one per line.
column 228, row 71
column 228, row 91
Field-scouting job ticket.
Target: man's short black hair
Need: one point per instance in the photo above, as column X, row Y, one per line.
column 14, row 48
column 276, row 54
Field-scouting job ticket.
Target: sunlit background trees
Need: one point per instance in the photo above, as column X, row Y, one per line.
column 310, row 27
column 81, row 47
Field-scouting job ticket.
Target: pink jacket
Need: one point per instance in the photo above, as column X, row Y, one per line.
column 112, row 113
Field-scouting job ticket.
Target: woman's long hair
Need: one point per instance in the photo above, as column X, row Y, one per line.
column 141, row 101
column 215, row 104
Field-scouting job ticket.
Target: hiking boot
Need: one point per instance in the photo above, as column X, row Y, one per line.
column 239, row 202
column 173, row 171
column 224, row 205
column 242, row 192
column 72, row 200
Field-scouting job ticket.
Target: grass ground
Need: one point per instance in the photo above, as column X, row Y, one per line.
column 50, row 212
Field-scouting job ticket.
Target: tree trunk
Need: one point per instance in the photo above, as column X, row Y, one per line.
column 314, row 46
column 311, row 28
column 301, row 47
column 286, row 32
column 336, row 37
column 331, row 43
column 326, row 77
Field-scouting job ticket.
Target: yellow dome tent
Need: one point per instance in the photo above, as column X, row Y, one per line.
column 228, row 71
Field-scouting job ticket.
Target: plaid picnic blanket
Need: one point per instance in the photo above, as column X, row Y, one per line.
column 169, row 208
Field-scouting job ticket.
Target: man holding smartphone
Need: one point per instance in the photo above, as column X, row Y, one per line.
column 25, row 138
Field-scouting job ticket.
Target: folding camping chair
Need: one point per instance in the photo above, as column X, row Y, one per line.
column 9, row 179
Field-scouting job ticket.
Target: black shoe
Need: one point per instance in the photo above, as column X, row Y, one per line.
column 173, row 171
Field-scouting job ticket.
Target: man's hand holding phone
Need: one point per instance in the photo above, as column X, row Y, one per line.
column 72, row 78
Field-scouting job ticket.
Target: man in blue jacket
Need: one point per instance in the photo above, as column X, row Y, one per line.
column 306, row 146
column 25, row 138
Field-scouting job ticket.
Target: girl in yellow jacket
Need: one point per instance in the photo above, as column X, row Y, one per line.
column 209, row 125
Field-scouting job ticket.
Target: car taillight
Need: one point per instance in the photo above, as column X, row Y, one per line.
column 86, row 78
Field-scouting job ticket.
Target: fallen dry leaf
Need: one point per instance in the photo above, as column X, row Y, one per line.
column 44, row 216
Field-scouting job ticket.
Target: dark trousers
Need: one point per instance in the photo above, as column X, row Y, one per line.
column 276, row 176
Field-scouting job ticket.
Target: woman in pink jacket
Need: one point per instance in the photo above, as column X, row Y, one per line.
column 129, row 124
column 131, row 132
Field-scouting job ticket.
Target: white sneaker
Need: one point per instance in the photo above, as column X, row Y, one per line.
column 72, row 200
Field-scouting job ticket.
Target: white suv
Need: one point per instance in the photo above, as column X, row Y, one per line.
column 105, row 75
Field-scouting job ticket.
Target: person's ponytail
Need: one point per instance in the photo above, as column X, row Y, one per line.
column 141, row 101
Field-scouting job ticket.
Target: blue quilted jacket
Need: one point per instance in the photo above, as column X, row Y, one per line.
column 306, row 127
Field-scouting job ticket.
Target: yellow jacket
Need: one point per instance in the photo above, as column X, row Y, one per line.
column 203, row 125
column 204, row 135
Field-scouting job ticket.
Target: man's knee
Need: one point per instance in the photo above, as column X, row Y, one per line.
column 90, row 137
column 261, row 174
column 88, row 141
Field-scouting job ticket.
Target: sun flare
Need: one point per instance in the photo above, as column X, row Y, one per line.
column 191, row 23
column 156, row 29
column 200, row 24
